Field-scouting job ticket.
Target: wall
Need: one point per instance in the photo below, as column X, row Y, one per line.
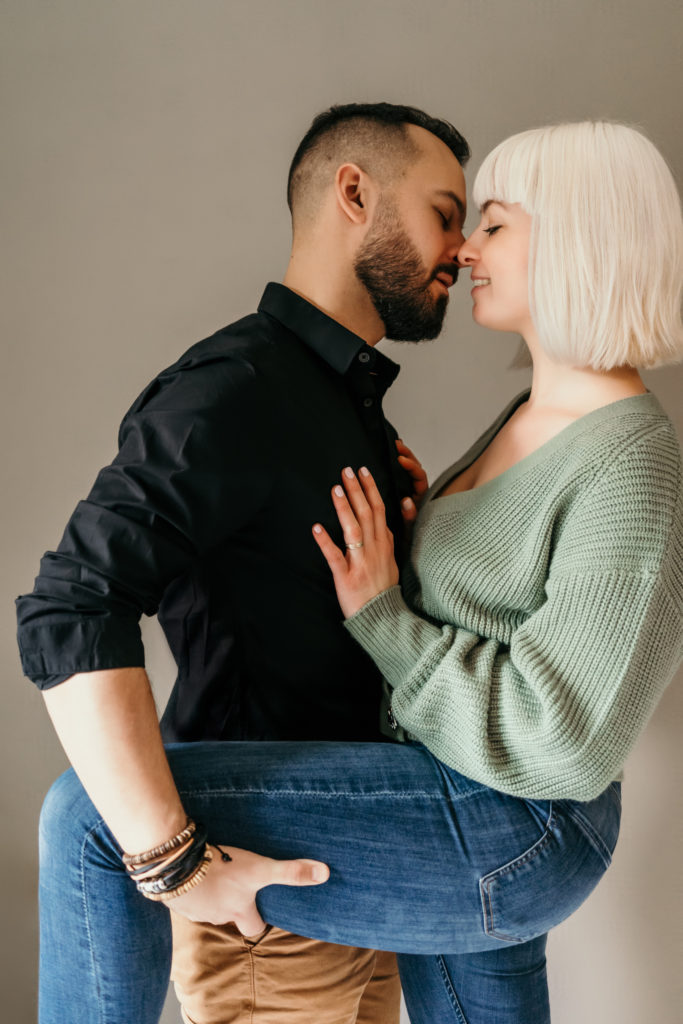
column 145, row 149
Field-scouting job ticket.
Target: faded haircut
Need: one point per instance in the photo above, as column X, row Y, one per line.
column 372, row 135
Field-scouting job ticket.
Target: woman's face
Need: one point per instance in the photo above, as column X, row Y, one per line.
column 497, row 253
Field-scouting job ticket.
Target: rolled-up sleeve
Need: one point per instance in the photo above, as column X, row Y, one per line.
column 192, row 467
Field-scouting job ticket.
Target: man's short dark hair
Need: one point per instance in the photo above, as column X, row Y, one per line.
column 379, row 128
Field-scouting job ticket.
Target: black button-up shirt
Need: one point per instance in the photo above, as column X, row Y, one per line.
column 225, row 462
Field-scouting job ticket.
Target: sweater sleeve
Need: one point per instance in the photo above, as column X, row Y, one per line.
column 554, row 712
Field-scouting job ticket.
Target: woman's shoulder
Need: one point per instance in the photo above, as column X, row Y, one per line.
column 627, row 512
column 631, row 445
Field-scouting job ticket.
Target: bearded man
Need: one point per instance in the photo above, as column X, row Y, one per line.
column 204, row 517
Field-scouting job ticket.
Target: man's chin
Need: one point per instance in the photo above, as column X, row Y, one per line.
column 415, row 337
column 426, row 329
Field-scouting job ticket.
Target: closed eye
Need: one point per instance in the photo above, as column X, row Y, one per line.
column 444, row 219
column 492, row 230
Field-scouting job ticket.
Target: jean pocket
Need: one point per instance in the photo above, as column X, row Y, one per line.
column 506, row 891
column 541, row 887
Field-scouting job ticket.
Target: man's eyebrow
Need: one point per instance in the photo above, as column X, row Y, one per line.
column 456, row 199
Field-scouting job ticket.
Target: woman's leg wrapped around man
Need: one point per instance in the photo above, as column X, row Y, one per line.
column 422, row 860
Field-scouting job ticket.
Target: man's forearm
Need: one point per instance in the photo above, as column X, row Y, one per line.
column 108, row 726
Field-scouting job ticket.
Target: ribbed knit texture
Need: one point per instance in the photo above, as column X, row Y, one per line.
column 541, row 616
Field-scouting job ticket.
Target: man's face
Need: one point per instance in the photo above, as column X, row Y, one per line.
column 407, row 261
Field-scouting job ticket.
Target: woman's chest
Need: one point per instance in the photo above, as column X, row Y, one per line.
column 522, row 435
column 483, row 569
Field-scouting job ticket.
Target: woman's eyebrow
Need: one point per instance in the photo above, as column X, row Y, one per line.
column 498, row 202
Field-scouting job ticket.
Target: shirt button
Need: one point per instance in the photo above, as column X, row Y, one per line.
column 368, row 402
column 364, row 357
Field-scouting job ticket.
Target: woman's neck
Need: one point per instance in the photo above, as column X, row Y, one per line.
column 578, row 389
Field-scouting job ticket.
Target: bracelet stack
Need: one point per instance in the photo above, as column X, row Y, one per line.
column 174, row 867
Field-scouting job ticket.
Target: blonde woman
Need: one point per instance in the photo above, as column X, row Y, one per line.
column 534, row 629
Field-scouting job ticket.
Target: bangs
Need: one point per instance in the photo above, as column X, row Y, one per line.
column 509, row 174
column 606, row 246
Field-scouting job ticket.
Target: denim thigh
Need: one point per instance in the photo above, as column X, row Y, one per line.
column 422, row 858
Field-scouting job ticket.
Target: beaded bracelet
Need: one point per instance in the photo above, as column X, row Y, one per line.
column 158, row 851
column 173, row 867
column 154, row 867
column 171, row 861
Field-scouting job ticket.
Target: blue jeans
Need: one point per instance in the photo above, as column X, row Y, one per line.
column 423, row 861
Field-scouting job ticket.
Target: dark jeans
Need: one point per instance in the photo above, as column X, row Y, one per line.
column 423, row 861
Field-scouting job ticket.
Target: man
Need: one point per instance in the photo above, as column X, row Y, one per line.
column 225, row 462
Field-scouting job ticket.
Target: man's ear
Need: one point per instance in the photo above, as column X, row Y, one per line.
column 354, row 193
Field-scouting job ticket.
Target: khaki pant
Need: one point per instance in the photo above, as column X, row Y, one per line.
column 278, row 978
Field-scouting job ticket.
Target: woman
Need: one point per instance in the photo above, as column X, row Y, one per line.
column 539, row 621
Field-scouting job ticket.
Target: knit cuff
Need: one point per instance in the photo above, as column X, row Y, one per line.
column 393, row 636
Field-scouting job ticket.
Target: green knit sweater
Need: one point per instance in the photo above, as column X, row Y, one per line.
column 541, row 615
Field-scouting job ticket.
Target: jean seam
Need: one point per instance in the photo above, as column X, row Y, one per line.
column 487, row 881
column 450, row 991
column 590, row 833
column 86, row 917
column 323, row 794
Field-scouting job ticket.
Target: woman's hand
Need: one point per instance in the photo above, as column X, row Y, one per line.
column 228, row 891
column 368, row 566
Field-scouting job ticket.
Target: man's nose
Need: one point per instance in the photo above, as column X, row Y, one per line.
column 455, row 246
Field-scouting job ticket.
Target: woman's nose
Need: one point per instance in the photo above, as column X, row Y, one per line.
column 467, row 253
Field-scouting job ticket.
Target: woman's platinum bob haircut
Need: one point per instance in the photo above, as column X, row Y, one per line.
column 606, row 254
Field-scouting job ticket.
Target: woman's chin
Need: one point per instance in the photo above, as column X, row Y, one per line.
column 508, row 325
column 480, row 317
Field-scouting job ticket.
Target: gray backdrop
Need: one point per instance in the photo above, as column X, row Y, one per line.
column 145, row 149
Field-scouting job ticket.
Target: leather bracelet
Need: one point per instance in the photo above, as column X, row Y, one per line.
column 177, row 876
column 157, row 866
column 195, row 879
column 171, row 862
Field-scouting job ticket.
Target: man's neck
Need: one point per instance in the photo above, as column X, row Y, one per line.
column 340, row 296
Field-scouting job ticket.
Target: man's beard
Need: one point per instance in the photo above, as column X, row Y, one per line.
column 390, row 267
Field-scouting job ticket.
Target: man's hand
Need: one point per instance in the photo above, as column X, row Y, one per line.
column 228, row 891
column 413, row 466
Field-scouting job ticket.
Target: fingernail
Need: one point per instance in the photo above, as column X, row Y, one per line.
column 317, row 528
column 319, row 873
column 348, row 472
column 364, row 471
column 408, row 504
column 339, row 491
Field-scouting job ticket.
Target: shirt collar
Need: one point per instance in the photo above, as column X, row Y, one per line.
column 340, row 348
